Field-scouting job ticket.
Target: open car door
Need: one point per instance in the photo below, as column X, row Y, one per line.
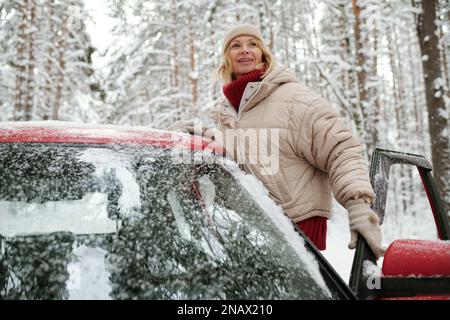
column 412, row 269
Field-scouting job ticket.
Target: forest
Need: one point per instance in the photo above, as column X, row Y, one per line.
column 383, row 65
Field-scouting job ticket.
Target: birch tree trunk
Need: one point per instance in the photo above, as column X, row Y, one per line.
column 346, row 77
column 285, row 34
column 361, row 76
column 444, row 23
column 20, row 65
column 375, row 90
column 176, row 58
column 193, row 75
column 30, row 63
column 49, row 88
column 61, row 64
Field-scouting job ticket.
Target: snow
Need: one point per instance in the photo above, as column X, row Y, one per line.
column 85, row 216
column 88, row 274
column 208, row 242
column 99, row 28
column 373, row 275
column 75, row 127
column 207, row 190
column 443, row 113
column 183, row 227
column 370, row 269
column 194, row 75
column 222, row 217
column 93, row 131
column 211, row 245
column 106, row 161
column 447, row 102
column 338, row 237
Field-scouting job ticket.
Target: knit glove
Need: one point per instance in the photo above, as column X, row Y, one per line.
column 364, row 221
column 188, row 126
column 203, row 131
column 180, row 125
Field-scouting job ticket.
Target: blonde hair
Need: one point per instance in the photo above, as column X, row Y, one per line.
column 225, row 70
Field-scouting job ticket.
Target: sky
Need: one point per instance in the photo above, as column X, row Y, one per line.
column 99, row 27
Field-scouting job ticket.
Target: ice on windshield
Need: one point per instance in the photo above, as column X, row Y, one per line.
column 177, row 210
column 208, row 241
column 197, row 234
column 88, row 274
column 207, row 190
column 84, row 216
column 260, row 194
column 224, row 218
column 106, row 161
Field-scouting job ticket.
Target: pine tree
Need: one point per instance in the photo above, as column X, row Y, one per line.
column 47, row 55
column 438, row 113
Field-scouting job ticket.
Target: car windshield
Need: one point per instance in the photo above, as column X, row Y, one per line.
column 128, row 222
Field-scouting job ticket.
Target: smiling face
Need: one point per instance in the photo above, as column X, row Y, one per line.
column 245, row 55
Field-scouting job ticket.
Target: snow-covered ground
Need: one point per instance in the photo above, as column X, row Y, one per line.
column 338, row 237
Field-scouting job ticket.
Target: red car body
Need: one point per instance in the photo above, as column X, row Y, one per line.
column 70, row 132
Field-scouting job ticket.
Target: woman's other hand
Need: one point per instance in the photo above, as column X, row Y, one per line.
column 364, row 221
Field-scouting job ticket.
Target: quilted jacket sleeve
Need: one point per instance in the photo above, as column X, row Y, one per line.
column 328, row 144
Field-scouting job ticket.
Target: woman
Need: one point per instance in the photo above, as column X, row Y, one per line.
column 316, row 153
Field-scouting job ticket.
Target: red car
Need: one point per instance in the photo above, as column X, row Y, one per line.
column 99, row 212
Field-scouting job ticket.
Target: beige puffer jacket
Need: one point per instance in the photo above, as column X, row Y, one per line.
column 290, row 138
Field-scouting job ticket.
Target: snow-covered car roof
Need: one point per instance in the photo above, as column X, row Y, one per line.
column 73, row 132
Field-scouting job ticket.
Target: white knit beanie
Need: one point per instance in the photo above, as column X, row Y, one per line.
column 240, row 30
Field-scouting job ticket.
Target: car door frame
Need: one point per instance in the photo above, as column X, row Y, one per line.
column 382, row 160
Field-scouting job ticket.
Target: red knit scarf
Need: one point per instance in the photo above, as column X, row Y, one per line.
column 234, row 90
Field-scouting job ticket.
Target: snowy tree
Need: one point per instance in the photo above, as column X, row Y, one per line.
column 46, row 61
column 348, row 64
column 336, row 65
column 144, row 79
column 161, row 71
